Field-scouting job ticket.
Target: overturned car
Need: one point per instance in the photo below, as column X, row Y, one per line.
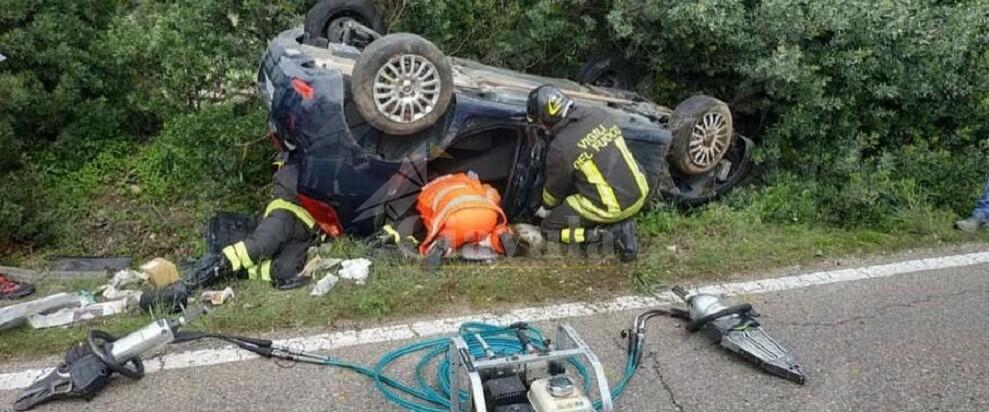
column 375, row 117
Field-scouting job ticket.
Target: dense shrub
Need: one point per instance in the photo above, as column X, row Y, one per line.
column 84, row 78
column 866, row 112
column 208, row 154
column 883, row 104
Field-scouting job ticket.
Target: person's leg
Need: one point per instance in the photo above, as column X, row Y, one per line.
column 272, row 234
column 285, row 266
column 566, row 226
column 982, row 205
column 247, row 256
column 980, row 215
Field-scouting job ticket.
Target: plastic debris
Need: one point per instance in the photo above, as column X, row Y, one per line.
column 356, row 270
column 324, row 285
column 317, row 264
column 217, row 297
column 124, row 278
column 69, row 316
column 116, row 288
column 14, row 315
column 161, row 272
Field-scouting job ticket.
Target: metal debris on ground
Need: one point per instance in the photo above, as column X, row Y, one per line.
column 89, row 263
column 217, row 297
column 70, row 316
column 15, row 315
column 28, row 275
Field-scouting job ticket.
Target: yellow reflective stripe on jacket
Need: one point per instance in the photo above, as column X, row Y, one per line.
column 260, row 272
column 231, row 256
column 549, row 199
column 293, row 208
column 238, row 257
column 586, row 208
column 605, row 191
column 393, row 233
column 575, row 235
column 613, row 212
column 640, row 178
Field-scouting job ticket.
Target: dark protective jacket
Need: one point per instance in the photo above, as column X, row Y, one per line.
column 589, row 167
column 277, row 248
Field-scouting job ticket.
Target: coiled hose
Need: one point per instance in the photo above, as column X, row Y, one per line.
column 427, row 393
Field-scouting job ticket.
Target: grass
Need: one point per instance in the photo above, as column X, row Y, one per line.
column 715, row 241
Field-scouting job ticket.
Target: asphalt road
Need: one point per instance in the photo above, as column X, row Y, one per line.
column 912, row 342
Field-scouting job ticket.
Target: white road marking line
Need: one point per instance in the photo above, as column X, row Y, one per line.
column 336, row 340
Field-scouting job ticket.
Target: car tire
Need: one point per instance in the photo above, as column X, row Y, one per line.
column 702, row 133
column 741, row 166
column 381, row 94
column 326, row 17
column 608, row 71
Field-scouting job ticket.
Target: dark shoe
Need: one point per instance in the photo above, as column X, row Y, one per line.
column 294, row 282
column 11, row 289
column 626, row 241
column 436, row 253
column 170, row 299
column 508, row 243
column 408, row 247
column 970, row 225
column 210, row 269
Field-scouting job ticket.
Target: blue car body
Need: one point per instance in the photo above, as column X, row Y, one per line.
column 367, row 177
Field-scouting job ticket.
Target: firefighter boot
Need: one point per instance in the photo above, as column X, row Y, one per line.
column 210, row 269
column 626, row 240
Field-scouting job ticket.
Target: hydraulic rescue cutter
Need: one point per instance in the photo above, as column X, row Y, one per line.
column 88, row 366
column 736, row 329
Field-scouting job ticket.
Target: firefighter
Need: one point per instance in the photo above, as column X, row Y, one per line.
column 593, row 184
column 276, row 251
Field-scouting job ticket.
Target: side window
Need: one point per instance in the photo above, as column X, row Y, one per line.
column 490, row 153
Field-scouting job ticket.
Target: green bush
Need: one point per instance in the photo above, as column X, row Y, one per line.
column 879, row 103
column 86, row 78
column 549, row 37
column 867, row 96
column 212, row 153
column 867, row 113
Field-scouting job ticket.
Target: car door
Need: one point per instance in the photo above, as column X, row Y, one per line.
column 524, row 194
